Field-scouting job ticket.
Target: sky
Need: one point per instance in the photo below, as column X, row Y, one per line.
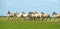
column 46, row 6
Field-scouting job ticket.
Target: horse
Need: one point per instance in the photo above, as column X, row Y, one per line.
column 31, row 15
column 56, row 15
column 23, row 15
column 10, row 15
column 45, row 16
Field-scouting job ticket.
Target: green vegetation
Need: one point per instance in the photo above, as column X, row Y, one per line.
column 26, row 24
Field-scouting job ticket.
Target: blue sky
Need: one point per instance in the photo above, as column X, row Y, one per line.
column 46, row 6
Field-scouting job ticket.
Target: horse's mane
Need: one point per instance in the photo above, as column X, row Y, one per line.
column 42, row 12
column 9, row 12
column 55, row 13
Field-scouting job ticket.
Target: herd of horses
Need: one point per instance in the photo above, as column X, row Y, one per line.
column 32, row 15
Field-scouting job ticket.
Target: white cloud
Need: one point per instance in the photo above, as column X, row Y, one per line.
column 6, row 3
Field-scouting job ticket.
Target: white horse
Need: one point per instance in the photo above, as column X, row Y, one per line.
column 10, row 15
column 39, row 16
column 56, row 15
column 31, row 15
column 47, row 16
column 23, row 15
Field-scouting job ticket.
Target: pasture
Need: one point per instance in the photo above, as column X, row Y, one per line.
column 27, row 24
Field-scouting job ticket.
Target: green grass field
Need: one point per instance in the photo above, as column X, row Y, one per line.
column 21, row 24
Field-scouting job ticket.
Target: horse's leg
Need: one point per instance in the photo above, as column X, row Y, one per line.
column 42, row 18
column 54, row 18
column 21, row 18
column 11, row 18
column 24, row 18
column 8, row 18
column 58, row 18
column 18, row 18
column 29, row 18
column 50, row 18
column 38, row 18
column 33, row 18
column 46, row 18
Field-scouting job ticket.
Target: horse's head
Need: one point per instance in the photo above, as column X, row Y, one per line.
column 9, row 12
column 54, row 13
column 42, row 12
column 23, row 12
column 36, row 12
column 30, row 12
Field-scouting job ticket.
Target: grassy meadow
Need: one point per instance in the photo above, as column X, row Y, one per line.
column 27, row 24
